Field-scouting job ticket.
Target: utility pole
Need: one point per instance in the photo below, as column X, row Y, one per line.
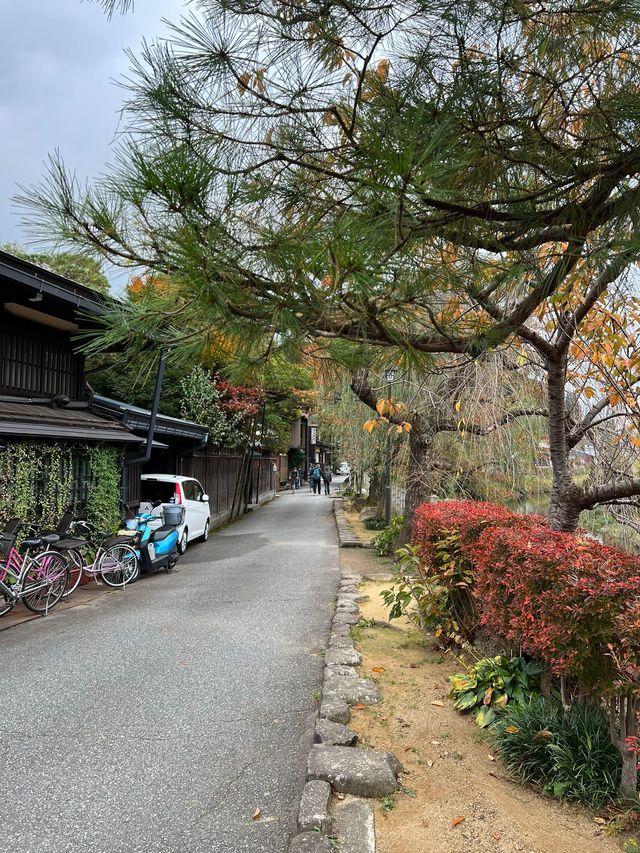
column 390, row 376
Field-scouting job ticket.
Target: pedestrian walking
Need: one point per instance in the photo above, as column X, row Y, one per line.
column 295, row 480
column 327, row 477
column 316, row 479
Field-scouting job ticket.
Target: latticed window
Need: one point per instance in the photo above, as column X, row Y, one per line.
column 81, row 480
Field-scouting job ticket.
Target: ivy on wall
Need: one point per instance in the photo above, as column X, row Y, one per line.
column 40, row 481
column 103, row 503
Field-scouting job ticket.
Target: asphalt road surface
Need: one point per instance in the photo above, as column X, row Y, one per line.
column 158, row 719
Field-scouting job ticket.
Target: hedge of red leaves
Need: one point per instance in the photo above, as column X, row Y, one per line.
column 562, row 598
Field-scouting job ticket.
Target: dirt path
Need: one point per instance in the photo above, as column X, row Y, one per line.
column 450, row 771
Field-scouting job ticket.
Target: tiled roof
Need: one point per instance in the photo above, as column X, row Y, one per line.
column 34, row 421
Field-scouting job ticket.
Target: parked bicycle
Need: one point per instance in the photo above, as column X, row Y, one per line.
column 39, row 581
column 97, row 555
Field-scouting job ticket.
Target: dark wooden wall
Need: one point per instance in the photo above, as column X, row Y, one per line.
column 219, row 471
column 36, row 361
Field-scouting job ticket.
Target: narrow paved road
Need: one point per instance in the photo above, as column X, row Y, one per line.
column 158, row 719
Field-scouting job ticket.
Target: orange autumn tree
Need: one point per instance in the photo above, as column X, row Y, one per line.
column 586, row 349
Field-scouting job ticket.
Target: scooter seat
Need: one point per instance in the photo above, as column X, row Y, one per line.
column 162, row 533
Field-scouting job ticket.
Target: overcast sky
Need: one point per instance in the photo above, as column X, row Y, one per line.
column 57, row 64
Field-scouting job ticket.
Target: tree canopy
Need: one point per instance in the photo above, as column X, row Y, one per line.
column 389, row 174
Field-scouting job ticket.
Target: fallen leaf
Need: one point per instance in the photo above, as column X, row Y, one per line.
column 496, row 836
column 377, row 669
column 456, row 821
column 512, row 729
column 429, row 763
column 438, row 703
column 425, row 822
column 359, row 706
column 413, row 665
column 435, row 742
column 491, row 773
column 257, row 813
column 340, row 796
column 599, row 820
column 545, row 734
column 407, row 748
column 491, row 757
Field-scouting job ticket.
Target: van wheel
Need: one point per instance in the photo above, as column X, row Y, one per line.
column 184, row 541
column 205, row 535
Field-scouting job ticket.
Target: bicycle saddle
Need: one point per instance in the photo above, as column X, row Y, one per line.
column 50, row 538
column 66, row 544
column 26, row 544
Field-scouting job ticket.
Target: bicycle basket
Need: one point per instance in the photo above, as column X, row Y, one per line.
column 173, row 515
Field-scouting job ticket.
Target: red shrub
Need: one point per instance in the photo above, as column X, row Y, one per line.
column 443, row 533
column 562, row 598
column 466, row 518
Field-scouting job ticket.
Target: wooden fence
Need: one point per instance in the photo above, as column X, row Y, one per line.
column 222, row 474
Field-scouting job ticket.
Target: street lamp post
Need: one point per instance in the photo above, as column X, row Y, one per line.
column 390, row 375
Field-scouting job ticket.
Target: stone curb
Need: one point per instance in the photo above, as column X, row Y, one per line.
column 333, row 763
column 347, row 538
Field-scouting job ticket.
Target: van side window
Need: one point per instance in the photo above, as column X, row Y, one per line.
column 192, row 490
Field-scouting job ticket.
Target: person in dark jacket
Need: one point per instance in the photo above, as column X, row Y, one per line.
column 316, row 479
column 327, row 476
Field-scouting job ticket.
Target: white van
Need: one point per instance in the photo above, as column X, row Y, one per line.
column 184, row 491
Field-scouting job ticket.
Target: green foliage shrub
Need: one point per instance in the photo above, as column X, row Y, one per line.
column 375, row 523
column 384, row 541
column 39, row 481
column 491, row 683
column 570, row 755
column 421, row 599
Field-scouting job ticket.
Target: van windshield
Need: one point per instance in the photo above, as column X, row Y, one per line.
column 158, row 490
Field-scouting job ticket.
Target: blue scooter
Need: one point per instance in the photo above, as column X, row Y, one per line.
column 156, row 548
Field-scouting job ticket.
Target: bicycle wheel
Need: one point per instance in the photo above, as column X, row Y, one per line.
column 45, row 582
column 6, row 602
column 119, row 565
column 75, row 561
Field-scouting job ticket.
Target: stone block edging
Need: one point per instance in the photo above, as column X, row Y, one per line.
column 347, row 537
column 334, row 764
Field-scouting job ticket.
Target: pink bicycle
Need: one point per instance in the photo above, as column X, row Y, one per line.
column 39, row 580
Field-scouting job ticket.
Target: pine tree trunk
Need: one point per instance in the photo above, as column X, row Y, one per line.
column 564, row 506
column 419, row 476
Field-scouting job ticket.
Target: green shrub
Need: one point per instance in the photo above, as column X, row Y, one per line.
column 571, row 755
column 383, row 543
column 491, row 683
column 422, row 600
column 375, row 523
